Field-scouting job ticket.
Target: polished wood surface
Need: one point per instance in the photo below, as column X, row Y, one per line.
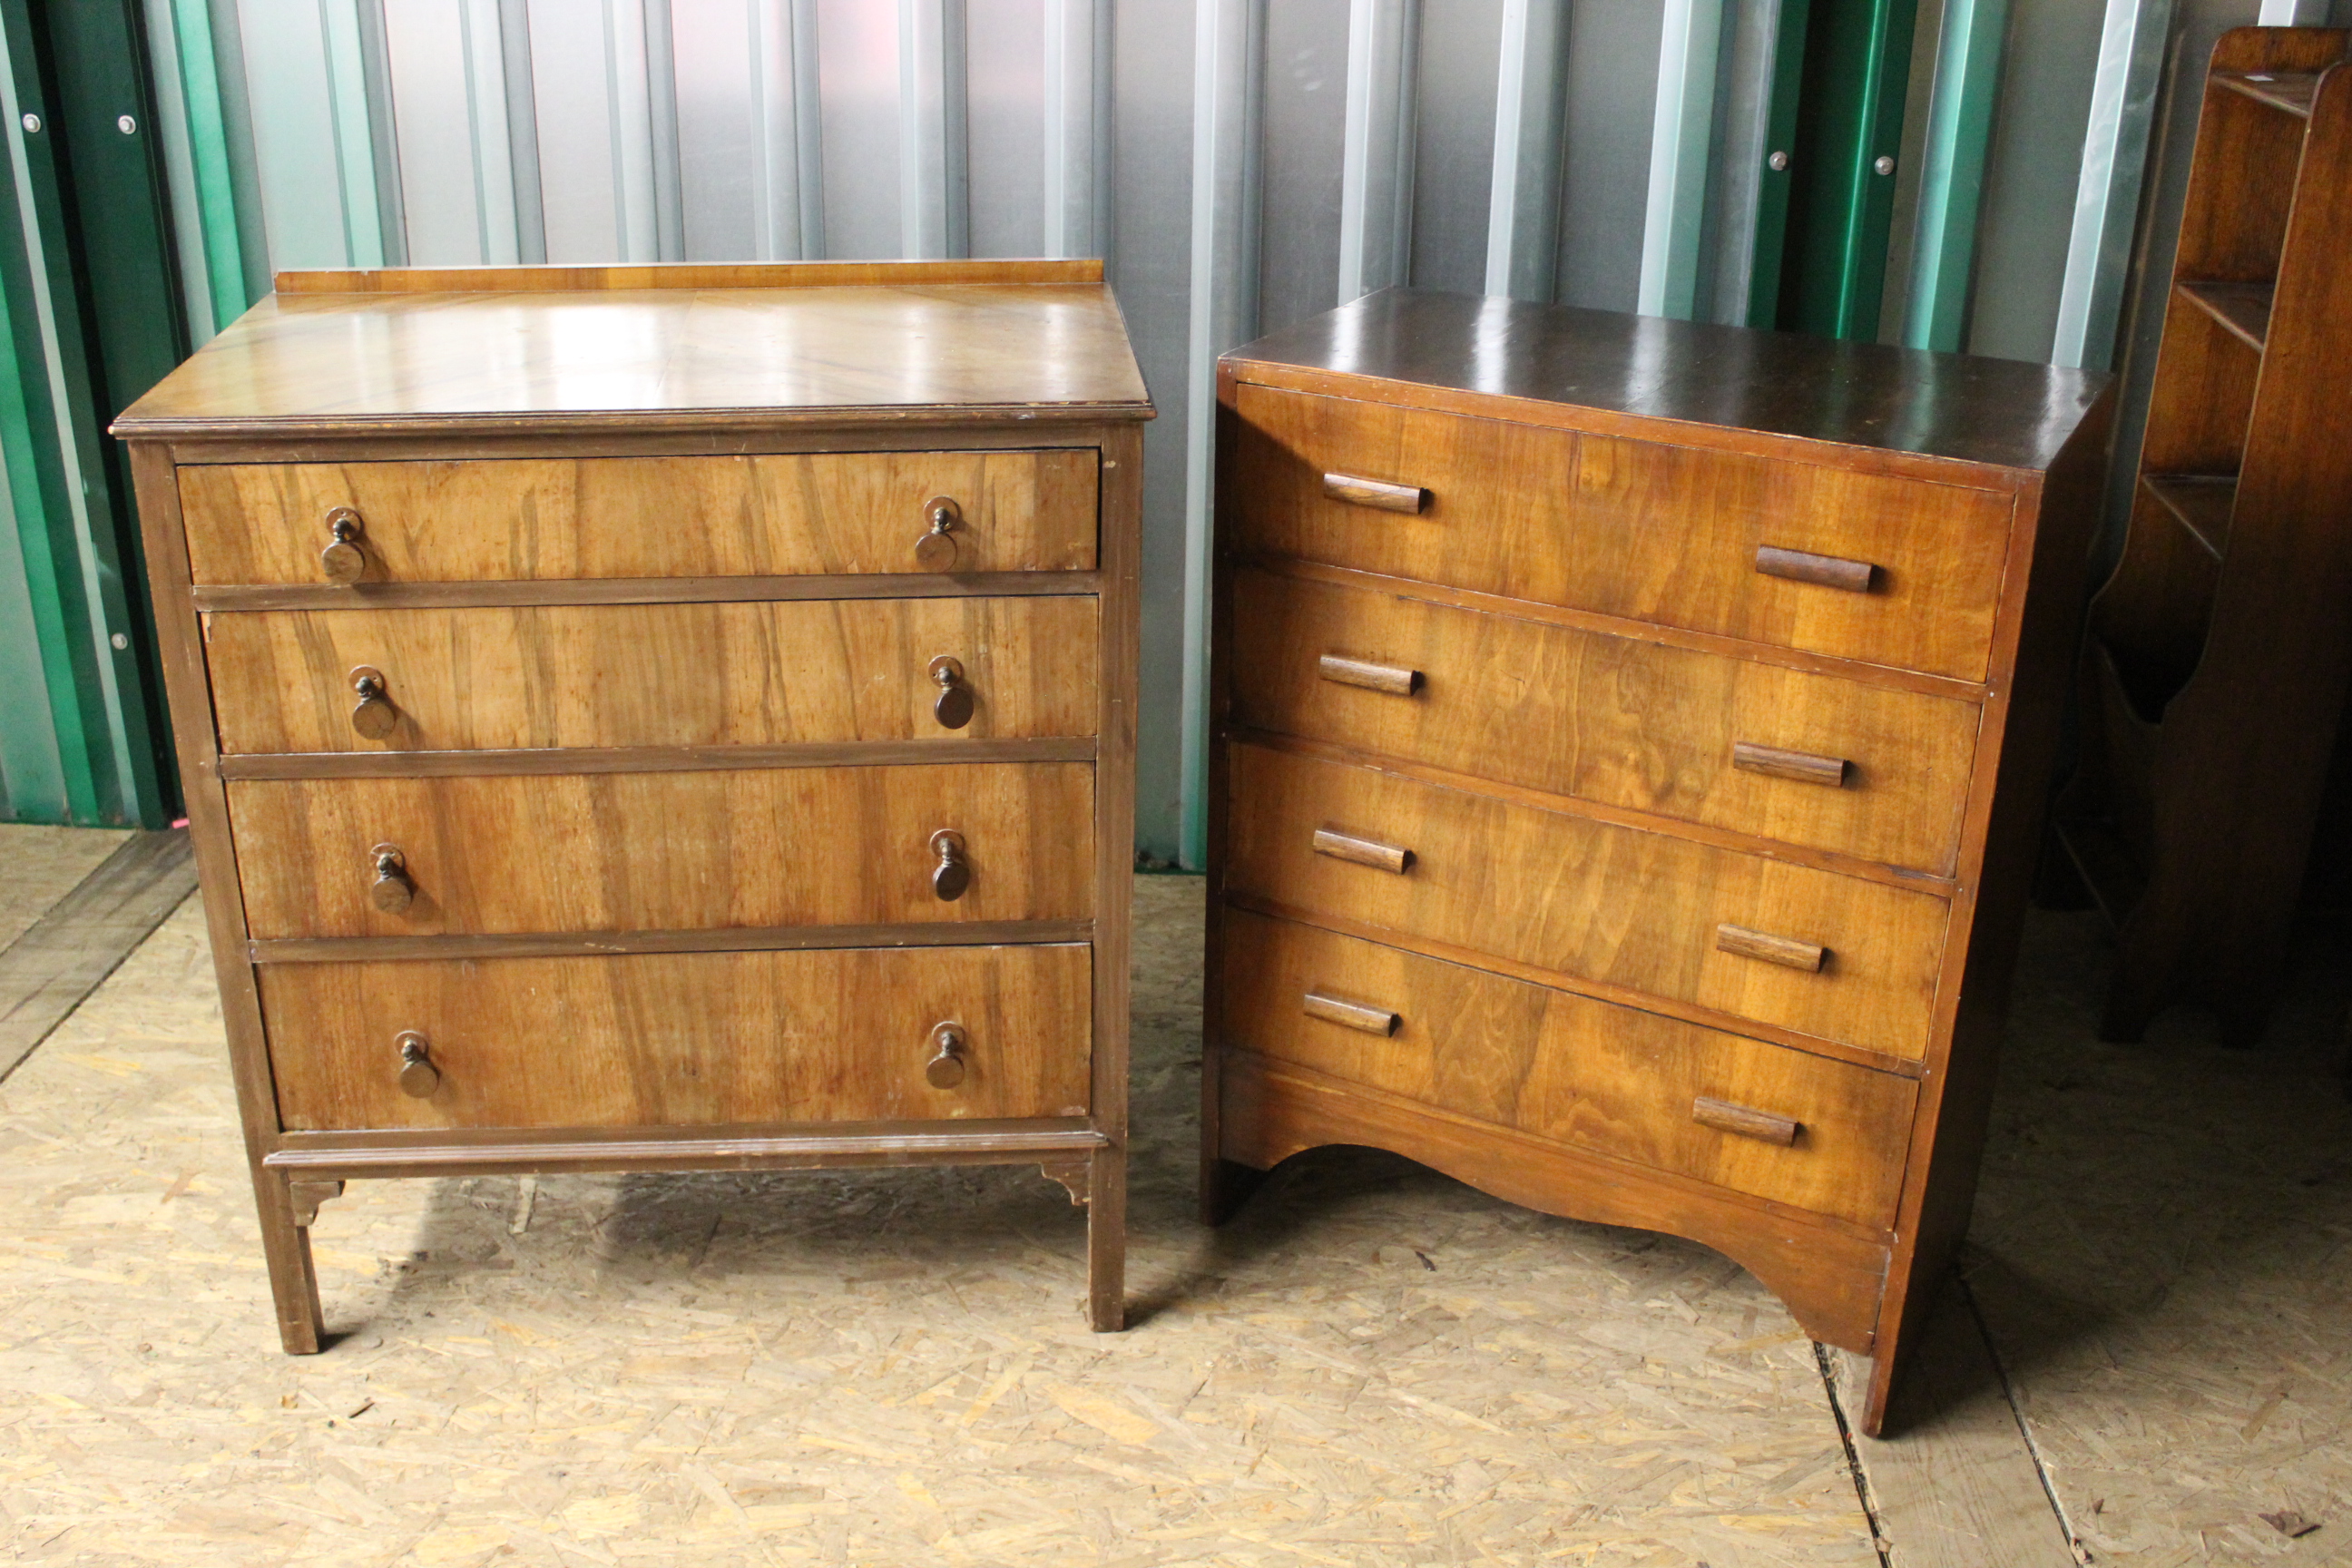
column 685, row 275
column 1587, row 901
column 636, row 518
column 717, row 675
column 1707, row 696
column 1724, row 386
column 664, row 851
column 683, row 1040
column 1632, row 529
column 1612, row 1080
column 2213, row 679
column 1615, row 720
column 564, row 358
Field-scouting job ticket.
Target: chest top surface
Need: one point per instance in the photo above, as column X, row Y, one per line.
column 1999, row 413
column 555, row 348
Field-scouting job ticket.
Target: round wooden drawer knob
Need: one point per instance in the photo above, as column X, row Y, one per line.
column 392, row 889
column 954, row 709
column 343, row 560
column 937, row 549
column 418, row 1077
column 945, row 1069
column 952, row 874
column 375, row 716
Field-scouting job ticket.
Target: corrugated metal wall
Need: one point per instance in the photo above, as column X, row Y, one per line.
column 1240, row 162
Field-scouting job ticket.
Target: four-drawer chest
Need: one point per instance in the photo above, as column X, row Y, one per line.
column 1630, row 741
column 660, row 718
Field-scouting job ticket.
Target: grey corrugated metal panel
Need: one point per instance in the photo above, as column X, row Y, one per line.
column 1075, row 86
column 1530, row 113
column 1743, row 111
column 570, row 109
column 1151, row 165
column 1005, row 109
column 244, row 161
column 1613, row 81
column 857, row 72
column 1453, row 144
column 1376, row 147
column 522, row 130
column 179, row 169
column 2027, row 218
column 317, row 195
column 448, row 77
column 934, row 164
column 728, row 59
column 383, row 139
column 1304, row 110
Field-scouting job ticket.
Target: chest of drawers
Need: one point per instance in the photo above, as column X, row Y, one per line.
column 1629, row 748
column 660, row 718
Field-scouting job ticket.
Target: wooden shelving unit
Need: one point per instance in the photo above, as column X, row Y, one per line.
column 2217, row 658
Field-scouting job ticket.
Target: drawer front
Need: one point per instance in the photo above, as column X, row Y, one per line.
column 853, row 512
column 680, row 1040
column 1617, row 905
column 1656, row 533
column 655, row 674
column 1612, row 1079
column 1877, row 774
column 668, row 851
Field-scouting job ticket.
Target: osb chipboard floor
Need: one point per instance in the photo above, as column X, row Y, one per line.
column 2163, row 1253
column 38, row 866
column 1373, row 1366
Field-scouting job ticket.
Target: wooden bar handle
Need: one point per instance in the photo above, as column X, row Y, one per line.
column 1353, row 1015
column 1746, row 1120
column 1363, row 851
column 1411, row 499
column 1371, row 676
column 1829, row 570
column 1802, row 766
column 1781, row 950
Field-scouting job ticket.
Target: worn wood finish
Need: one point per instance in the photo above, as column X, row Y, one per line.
column 1608, row 1080
column 681, row 1039
column 1651, row 552
column 1635, row 528
column 1615, row 720
column 669, row 612
column 2213, row 679
column 721, row 675
column 1588, row 900
column 837, row 513
column 664, row 851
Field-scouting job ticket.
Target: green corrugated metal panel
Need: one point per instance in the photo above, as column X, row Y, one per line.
column 1959, row 131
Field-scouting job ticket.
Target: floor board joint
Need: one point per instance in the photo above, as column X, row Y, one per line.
column 68, row 953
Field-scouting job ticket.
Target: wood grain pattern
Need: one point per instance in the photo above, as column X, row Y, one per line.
column 1631, row 528
column 1587, row 899
column 664, row 851
column 683, row 275
column 672, row 516
column 1362, row 850
column 681, row 1039
column 1615, row 720
column 1610, row 1080
column 1351, row 1015
column 718, row 675
column 1745, row 1121
column 1411, row 499
column 1822, row 571
column 711, row 359
column 1829, row 1276
column 1786, row 951
column 1780, row 763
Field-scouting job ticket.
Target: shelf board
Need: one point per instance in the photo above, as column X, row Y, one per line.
column 2245, row 309
column 2290, row 90
column 2199, row 503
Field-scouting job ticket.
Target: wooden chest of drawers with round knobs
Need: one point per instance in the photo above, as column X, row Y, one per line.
column 660, row 718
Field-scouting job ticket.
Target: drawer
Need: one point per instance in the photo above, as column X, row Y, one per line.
column 1877, row 774
column 664, row 851
column 1614, row 1081
column 1652, row 532
column 681, row 1039
column 853, row 512
column 1618, row 906
column 655, row 674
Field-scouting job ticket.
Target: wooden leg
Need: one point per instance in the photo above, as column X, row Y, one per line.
column 1106, row 1240
column 286, row 1245
column 1225, row 1185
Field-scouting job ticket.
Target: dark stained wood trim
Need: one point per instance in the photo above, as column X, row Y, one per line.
column 221, row 599
column 395, row 445
column 556, row 760
column 606, row 945
column 662, row 1149
column 697, row 275
column 590, row 424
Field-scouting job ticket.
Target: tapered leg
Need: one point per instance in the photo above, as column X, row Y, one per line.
column 1106, row 1240
column 286, row 1245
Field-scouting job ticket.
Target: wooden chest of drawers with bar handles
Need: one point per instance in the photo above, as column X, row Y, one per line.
column 1629, row 748
column 719, row 761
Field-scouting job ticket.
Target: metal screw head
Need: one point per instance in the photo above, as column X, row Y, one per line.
column 120, row 640
column 125, row 124
column 1778, row 163
column 32, row 124
column 1885, row 163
